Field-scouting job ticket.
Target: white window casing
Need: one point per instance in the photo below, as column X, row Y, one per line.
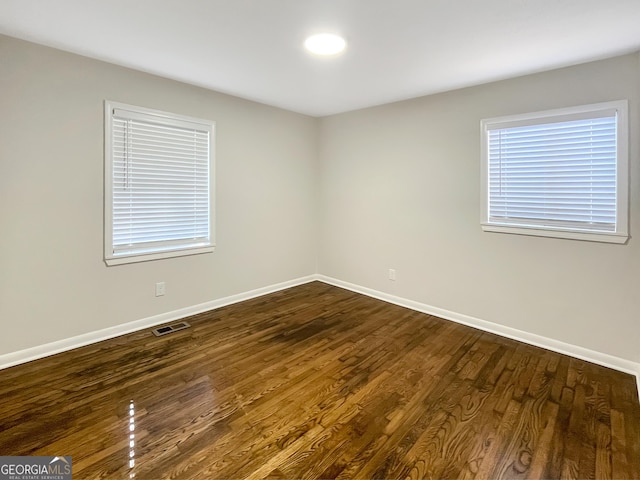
column 560, row 173
column 158, row 184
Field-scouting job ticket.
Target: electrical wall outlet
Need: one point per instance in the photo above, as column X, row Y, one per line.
column 392, row 274
column 160, row 289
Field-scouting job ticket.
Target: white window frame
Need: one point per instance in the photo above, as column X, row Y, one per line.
column 561, row 115
column 116, row 258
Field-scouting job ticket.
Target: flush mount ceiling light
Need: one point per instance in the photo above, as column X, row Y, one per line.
column 325, row 44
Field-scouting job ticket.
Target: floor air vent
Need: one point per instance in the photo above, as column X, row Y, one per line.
column 158, row 332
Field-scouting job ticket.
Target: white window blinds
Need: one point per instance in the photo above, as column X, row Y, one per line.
column 559, row 172
column 160, row 183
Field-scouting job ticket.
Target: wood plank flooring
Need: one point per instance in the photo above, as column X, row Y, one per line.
column 316, row 382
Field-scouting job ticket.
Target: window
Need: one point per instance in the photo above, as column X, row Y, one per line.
column 561, row 173
column 157, row 184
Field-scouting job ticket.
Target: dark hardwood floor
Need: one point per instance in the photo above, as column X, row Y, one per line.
column 319, row 382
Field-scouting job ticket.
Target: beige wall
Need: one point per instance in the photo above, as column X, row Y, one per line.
column 348, row 196
column 53, row 281
column 400, row 188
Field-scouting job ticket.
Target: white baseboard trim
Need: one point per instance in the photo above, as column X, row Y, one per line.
column 599, row 358
column 582, row 353
column 48, row 349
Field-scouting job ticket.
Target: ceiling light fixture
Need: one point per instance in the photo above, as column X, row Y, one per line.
column 325, row 44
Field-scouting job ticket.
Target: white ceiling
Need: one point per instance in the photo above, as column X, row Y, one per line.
column 397, row 49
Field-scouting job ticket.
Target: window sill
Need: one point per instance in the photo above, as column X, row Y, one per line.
column 135, row 258
column 618, row 238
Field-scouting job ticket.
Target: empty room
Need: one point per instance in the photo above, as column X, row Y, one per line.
column 304, row 239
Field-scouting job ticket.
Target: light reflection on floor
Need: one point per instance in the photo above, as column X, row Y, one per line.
column 132, row 439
